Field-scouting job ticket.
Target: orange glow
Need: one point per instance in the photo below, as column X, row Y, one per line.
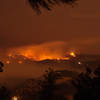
column 72, row 54
column 10, row 55
column 41, row 52
column 14, row 98
column 41, row 56
column 8, row 62
column 20, row 62
column 67, row 58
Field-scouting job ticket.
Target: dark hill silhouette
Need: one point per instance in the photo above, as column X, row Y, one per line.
column 88, row 85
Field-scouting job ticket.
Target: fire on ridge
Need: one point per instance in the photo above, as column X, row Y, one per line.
column 40, row 58
column 50, row 51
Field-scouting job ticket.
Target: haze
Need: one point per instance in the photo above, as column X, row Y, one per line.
column 78, row 26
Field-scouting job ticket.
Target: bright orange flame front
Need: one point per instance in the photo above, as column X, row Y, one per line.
column 39, row 53
column 72, row 54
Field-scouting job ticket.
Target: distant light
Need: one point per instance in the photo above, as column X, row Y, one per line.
column 9, row 55
column 79, row 63
column 20, row 62
column 58, row 58
column 72, row 54
column 14, row 98
column 8, row 62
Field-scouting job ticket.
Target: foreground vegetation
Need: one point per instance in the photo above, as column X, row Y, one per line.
column 87, row 85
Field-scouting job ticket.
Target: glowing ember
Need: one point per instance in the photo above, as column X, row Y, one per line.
column 8, row 62
column 72, row 54
column 14, row 98
column 79, row 63
column 67, row 58
column 9, row 55
column 20, row 62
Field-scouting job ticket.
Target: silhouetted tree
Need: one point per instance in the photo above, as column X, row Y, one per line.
column 1, row 66
column 97, row 72
column 88, row 88
column 4, row 93
column 48, row 4
column 48, row 86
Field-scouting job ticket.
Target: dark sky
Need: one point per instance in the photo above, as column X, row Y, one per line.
column 78, row 26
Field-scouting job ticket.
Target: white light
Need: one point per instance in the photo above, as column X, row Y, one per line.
column 79, row 63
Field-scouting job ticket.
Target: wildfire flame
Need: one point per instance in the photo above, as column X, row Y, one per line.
column 41, row 52
column 72, row 54
column 42, row 56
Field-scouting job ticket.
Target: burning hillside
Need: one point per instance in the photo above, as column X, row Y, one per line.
column 50, row 51
column 55, row 50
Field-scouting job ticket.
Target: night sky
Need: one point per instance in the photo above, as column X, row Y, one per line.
column 79, row 27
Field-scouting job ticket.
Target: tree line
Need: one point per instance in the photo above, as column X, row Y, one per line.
column 87, row 85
